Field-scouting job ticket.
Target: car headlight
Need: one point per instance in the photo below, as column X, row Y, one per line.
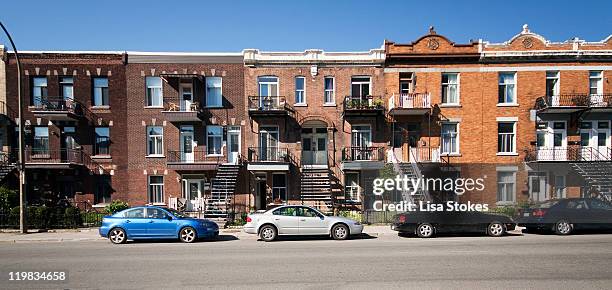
column 357, row 223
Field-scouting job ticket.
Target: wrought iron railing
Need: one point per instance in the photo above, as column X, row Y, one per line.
column 363, row 103
column 267, row 103
column 57, row 104
column 568, row 153
column 195, row 156
column 268, row 154
column 575, row 101
column 363, row 154
column 173, row 104
column 58, row 156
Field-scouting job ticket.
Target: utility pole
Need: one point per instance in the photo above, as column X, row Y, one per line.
column 21, row 163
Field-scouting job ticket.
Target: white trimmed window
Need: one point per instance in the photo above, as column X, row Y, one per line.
column 279, row 187
column 155, row 140
column 595, row 83
column 156, row 189
column 214, row 138
column 552, row 83
column 351, row 186
column 330, row 90
column 214, row 92
column 100, row 92
column 506, row 137
column 300, row 90
column 450, row 88
column 39, row 90
column 507, row 88
column 154, row 92
column 506, row 186
column 450, row 138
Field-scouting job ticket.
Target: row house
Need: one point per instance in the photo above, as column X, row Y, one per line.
column 187, row 126
column 316, row 120
column 74, row 117
column 529, row 116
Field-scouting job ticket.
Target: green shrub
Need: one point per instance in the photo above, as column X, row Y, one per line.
column 116, row 206
column 355, row 215
column 72, row 217
column 9, row 198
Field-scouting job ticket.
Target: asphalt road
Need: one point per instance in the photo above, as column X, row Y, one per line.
column 387, row 261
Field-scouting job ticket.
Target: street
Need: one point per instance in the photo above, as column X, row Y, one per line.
column 384, row 261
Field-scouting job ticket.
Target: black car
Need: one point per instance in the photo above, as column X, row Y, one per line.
column 563, row 216
column 427, row 223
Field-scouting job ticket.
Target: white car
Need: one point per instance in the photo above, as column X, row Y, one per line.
column 299, row 220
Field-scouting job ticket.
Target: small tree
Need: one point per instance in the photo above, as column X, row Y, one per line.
column 116, row 206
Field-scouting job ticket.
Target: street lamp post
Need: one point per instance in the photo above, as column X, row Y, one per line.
column 21, row 163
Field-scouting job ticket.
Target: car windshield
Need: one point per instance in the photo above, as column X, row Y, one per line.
column 547, row 204
column 176, row 213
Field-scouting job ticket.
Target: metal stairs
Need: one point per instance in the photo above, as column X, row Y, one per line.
column 315, row 188
column 222, row 190
column 413, row 172
column 598, row 176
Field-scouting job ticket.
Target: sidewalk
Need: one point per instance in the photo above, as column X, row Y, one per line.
column 91, row 234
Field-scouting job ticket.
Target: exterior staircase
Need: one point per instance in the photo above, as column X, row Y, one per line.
column 598, row 176
column 316, row 189
column 222, row 190
column 412, row 171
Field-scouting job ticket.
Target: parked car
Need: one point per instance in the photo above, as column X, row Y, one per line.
column 563, row 216
column 426, row 224
column 150, row 222
column 299, row 220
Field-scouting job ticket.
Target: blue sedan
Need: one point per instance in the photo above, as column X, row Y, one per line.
column 150, row 222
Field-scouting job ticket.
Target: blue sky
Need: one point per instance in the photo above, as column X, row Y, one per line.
column 288, row 25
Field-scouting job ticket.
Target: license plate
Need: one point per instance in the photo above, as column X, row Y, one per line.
column 526, row 214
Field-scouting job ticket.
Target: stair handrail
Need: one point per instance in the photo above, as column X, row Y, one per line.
column 419, row 175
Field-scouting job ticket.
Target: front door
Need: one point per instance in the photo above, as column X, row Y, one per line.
column 193, row 193
column 260, row 192
column 559, row 142
column 314, row 146
column 268, row 143
column 187, row 144
column 186, row 93
column 233, row 144
column 69, row 145
column 603, row 140
column 537, row 187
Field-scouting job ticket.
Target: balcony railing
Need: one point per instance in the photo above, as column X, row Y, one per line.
column 569, row 153
column 267, row 103
column 575, row 101
column 193, row 156
column 56, row 104
column 363, row 154
column 363, row 103
column 50, row 158
column 268, row 154
column 180, row 105
column 419, row 103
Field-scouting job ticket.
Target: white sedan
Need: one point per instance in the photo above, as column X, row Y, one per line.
column 299, row 220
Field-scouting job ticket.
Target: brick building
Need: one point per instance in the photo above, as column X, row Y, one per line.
column 314, row 116
column 187, row 130
column 524, row 113
column 75, row 126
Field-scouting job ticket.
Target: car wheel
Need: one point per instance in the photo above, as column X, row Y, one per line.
column 425, row 230
column 267, row 233
column 340, row 232
column 117, row 236
column 496, row 229
column 187, row 235
column 563, row 228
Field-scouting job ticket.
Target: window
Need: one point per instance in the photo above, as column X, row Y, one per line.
column 595, row 83
column 268, row 86
column 214, row 92
column 103, row 190
column 154, row 92
column 286, row 211
column 279, row 188
column 214, row 137
column 560, row 186
column 155, row 137
column 41, row 140
column 100, row 92
column 406, row 83
column 450, row 88
column 67, row 87
column 541, row 138
column 507, row 88
column 156, row 213
column 506, row 137
column 300, row 90
column 308, row 212
column 552, row 83
column 102, row 142
column 361, row 138
column 360, row 87
column 598, row 204
column 506, row 181
column 156, row 189
column 351, row 186
column 39, row 90
column 134, row 213
column 330, row 90
column 450, row 138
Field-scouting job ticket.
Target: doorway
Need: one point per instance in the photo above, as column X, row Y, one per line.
column 193, row 192
column 186, row 93
column 538, row 186
column 187, row 144
column 260, row 192
column 233, row 144
column 314, row 146
column 68, row 144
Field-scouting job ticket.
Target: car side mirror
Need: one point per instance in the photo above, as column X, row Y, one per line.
column 322, row 217
column 170, row 218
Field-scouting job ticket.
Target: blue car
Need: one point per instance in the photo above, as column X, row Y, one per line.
column 150, row 222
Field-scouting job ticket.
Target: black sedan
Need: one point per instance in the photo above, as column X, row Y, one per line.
column 563, row 216
column 426, row 224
